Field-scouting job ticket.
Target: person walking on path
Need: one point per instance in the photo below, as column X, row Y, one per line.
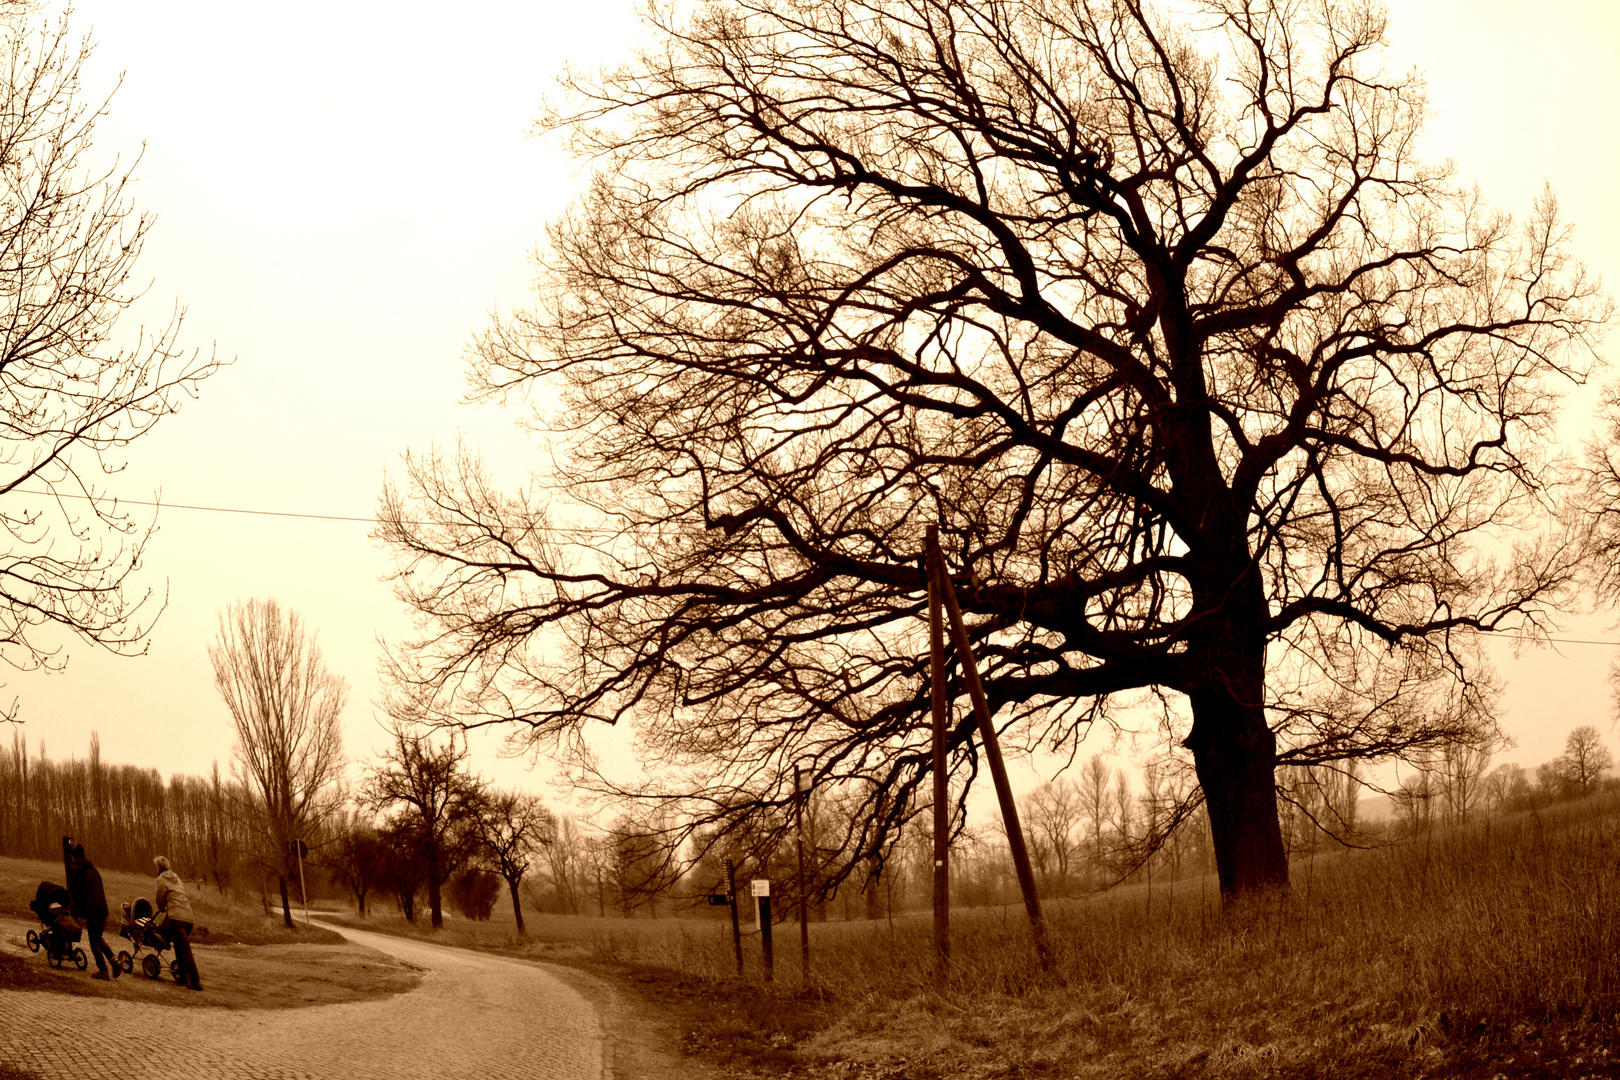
column 172, row 901
column 89, row 904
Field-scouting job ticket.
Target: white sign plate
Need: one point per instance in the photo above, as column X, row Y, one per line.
column 760, row 886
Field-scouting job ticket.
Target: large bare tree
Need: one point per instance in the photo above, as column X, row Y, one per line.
column 289, row 746
column 1209, row 384
column 72, row 396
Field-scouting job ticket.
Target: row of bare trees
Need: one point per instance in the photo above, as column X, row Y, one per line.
column 1459, row 784
column 123, row 814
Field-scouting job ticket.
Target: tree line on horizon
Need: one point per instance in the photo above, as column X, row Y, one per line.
column 1085, row 834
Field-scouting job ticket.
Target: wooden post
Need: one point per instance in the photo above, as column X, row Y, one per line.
column 804, row 916
column 933, row 571
column 992, row 755
column 764, row 915
column 736, row 923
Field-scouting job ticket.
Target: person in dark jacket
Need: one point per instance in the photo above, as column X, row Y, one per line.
column 175, row 905
column 89, row 904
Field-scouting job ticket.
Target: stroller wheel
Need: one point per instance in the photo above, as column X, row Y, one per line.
column 126, row 961
column 79, row 959
column 33, row 941
column 177, row 971
column 55, row 958
column 150, row 967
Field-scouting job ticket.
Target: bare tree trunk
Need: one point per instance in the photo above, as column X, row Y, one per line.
column 1235, row 754
column 435, row 898
column 517, row 907
column 286, row 904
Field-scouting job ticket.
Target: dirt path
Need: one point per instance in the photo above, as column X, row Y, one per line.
column 474, row 1015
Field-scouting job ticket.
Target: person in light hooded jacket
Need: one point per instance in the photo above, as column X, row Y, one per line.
column 172, row 901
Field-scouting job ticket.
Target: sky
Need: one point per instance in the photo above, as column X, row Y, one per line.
column 344, row 192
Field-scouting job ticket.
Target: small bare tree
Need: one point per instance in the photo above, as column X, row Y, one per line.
column 1054, row 815
column 1584, row 759
column 289, row 748
column 432, row 784
column 1462, row 778
column 512, row 827
column 354, row 857
column 567, row 864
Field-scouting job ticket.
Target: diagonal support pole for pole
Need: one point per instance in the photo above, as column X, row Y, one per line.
column 942, row 808
column 992, row 754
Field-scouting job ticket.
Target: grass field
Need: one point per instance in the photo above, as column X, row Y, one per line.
column 1487, row 951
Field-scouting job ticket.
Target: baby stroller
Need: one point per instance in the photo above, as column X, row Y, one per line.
column 144, row 931
column 61, row 932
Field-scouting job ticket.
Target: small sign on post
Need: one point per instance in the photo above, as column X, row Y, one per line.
column 761, row 888
column 718, row 899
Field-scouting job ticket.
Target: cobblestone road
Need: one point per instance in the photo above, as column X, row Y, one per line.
column 473, row 1015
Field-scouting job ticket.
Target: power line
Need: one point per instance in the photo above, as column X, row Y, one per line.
column 581, row 530
column 1559, row 640
column 561, row 528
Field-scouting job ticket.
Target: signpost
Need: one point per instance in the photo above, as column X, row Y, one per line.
column 761, row 888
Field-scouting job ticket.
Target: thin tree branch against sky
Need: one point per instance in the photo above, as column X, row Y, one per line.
column 340, row 211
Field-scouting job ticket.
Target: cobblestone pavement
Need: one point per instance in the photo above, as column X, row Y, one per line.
column 473, row 1015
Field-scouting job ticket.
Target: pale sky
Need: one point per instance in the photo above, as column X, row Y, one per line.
column 343, row 192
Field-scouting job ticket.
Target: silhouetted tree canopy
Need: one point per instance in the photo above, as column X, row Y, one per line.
column 437, row 799
column 1213, row 389
column 74, row 398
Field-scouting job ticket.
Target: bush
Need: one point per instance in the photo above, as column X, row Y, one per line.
column 473, row 892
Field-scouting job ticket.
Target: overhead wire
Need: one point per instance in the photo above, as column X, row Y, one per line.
column 579, row 529
column 575, row 529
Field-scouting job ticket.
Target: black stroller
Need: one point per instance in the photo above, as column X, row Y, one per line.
column 143, row 931
column 61, row 932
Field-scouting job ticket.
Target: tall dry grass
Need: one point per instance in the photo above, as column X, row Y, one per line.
column 1510, row 921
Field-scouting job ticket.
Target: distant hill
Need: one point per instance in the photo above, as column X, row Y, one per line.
column 1375, row 808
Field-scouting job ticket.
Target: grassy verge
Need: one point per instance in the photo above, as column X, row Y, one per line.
column 1489, row 952
column 247, row 959
column 221, row 920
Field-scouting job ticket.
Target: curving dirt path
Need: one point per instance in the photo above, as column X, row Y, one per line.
column 474, row 1015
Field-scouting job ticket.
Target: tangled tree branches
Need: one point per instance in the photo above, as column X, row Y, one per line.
column 1211, row 387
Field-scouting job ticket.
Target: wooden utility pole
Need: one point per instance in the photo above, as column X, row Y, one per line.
column 933, row 569
column 736, row 923
column 804, row 917
column 992, row 755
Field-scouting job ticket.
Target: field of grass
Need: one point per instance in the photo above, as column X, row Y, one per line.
column 1487, row 951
